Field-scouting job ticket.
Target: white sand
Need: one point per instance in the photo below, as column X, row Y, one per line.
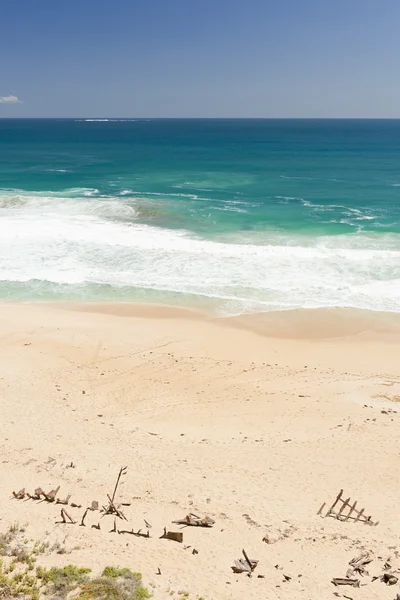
column 209, row 417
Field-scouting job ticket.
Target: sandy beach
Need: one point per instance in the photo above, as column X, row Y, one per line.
column 253, row 421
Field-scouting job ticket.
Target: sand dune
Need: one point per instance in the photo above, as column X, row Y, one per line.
column 211, row 418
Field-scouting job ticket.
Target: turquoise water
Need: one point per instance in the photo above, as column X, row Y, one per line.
column 241, row 215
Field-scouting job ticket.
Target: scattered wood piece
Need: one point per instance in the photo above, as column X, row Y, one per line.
column 389, row 579
column 357, row 565
column 194, row 551
column 65, row 501
column 245, row 565
column 96, row 526
column 82, row 523
column 122, row 471
column 346, row 581
column 66, row 518
column 158, row 571
column 51, row 496
column 195, row 521
column 94, row 505
column 347, row 511
column 19, row 495
column 36, row 495
column 76, row 505
column 139, row 533
column 176, row 536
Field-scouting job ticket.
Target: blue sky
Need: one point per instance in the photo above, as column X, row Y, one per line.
column 200, row 58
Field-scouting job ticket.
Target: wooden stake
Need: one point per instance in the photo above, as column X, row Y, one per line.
column 338, row 497
column 51, row 496
column 122, row 471
column 65, row 516
column 350, row 511
column 65, row 501
column 248, row 560
column 360, row 514
column 344, row 505
column 82, row 523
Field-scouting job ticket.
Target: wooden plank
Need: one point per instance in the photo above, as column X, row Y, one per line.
column 176, row 536
column 338, row 497
column 343, row 507
column 248, row 560
column 346, row 581
column 360, row 514
column 351, row 510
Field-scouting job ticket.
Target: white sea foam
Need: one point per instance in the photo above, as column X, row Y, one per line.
column 91, row 240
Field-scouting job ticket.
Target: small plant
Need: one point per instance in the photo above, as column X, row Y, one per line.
column 115, row 584
column 8, row 538
column 117, row 572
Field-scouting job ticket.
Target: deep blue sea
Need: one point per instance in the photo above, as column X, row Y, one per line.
column 238, row 215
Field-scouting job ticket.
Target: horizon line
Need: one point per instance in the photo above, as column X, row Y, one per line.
column 99, row 119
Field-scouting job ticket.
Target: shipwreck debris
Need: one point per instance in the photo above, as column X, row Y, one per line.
column 175, row 536
column 244, row 565
column 346, row 511
column 195, row 521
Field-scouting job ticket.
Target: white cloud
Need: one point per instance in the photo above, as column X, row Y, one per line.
column 10, row 100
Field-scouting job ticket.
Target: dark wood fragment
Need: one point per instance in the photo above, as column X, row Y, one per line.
column 176, row 536
column 346, row 581
column 19, row 495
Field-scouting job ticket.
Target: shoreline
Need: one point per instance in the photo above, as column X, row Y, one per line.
column 301, row 323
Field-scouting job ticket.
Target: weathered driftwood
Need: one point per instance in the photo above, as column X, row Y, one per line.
column 82, row 523
column 96, row 526
column 51, row 496
column 244, row 565
column 137, row 533
column 66, row 518
column 193, row 520
column 94, row 505
column 38, row 493
column 176, row 536
column 19, row 495
column 389, row 579
column 346, row 512
column 76, row 505
column 112, row 508
column 114, row 529
column 346, row 581
column 65, row 501
column 357, row 565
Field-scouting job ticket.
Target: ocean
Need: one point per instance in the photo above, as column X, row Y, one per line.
column 236, row 216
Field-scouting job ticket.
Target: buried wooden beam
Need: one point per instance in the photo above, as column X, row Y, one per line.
column 19, row 495
column 82, row 523
column 51, row 496
column 66, row 518
column 176, row 536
